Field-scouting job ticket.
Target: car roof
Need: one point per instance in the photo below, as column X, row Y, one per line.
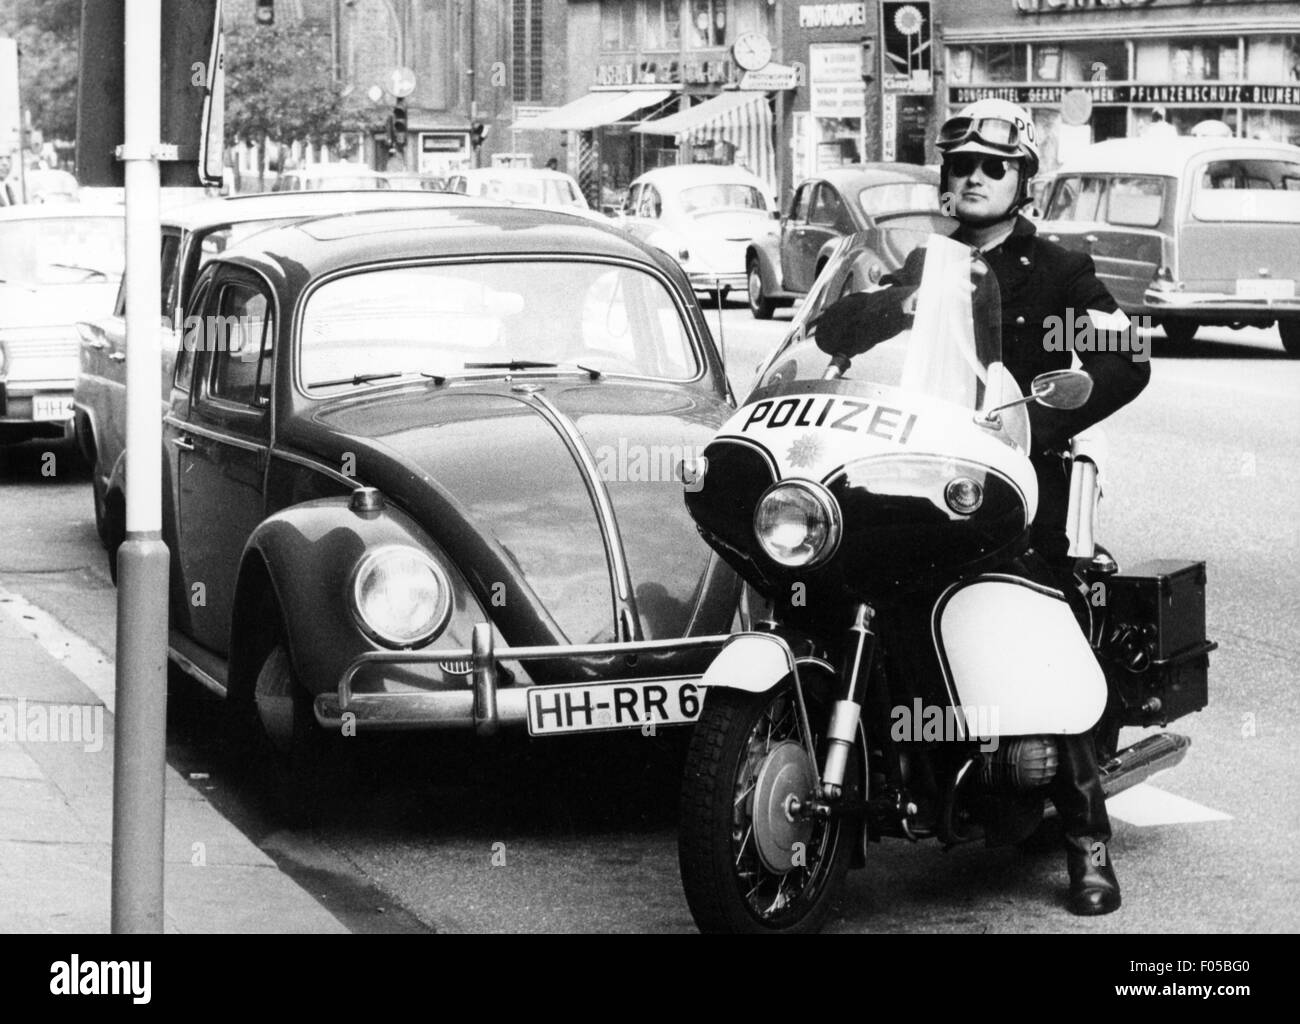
column 1167, row 156
column 474, row 173
column 278, row 205
column 705, row 174
column 866, row 175
column 60, row 211
column 475, row 228
column 331, row 170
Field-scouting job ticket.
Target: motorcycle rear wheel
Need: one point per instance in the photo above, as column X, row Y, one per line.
column 727, row 830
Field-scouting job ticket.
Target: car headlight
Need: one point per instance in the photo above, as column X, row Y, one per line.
column 797, row 523
column 401, row 596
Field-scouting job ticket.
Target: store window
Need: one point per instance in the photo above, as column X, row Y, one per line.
column 617, row 25
column 663, row 25
column 1204, row 60
column 996, row 62
column 1273, row 59
column 1098, row 60
column 708, row 24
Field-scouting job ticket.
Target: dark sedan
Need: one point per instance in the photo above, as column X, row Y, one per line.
column 897, row 204
column 424, row 470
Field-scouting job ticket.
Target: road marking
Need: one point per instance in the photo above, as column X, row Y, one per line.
column 1147, row 805
column 84, row 660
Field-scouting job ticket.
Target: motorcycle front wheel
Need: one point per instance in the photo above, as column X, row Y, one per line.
column 747, row 864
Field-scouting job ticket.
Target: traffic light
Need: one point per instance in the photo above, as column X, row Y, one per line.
column 399, row 121
column 265, row 12
column 477, row 131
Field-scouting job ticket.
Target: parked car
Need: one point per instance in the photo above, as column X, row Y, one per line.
column 330, row 176
column 413, row 180
column 1190, row 231
column 59, row 263
column 191, row 235
column 898, row 204
column 528, row 186
column 704, row 216
column 431, row 480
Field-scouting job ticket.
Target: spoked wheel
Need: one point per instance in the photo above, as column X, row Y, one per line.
column 749, row 863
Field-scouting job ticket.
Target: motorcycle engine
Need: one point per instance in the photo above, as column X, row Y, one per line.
column 1024, row 762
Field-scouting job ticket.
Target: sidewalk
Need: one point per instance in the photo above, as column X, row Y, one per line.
column 56, row 814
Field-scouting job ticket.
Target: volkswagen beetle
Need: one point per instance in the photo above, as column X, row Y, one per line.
column 423, row 470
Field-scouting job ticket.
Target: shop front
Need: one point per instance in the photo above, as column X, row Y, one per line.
column 1091, row 70
column 693, row 54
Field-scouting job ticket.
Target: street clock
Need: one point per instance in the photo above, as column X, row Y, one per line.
column 752, row 51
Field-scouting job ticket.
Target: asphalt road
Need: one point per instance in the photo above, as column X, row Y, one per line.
column 579, row 835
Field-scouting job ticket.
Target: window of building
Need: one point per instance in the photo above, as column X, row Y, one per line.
column 996, row 62
column 708, row 24
column 663, row 25
column 526, row 79
column 617, row 25
column 1204, row 60
column 1097, row 60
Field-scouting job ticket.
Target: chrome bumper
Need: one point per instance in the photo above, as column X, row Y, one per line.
column 484, row 706
column 703, row 281
column 1216, row 303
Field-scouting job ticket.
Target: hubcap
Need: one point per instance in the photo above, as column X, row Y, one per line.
column 781, row 837
column 755, row 287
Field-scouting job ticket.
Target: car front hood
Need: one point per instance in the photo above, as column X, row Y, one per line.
column 23, row 306
column 493, row 473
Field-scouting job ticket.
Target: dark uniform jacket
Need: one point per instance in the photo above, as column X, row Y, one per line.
column 1038, row 280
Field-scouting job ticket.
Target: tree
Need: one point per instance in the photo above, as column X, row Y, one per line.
column 280, row 86
column 47, row 35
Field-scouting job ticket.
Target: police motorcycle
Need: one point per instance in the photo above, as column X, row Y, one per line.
column 904, row 676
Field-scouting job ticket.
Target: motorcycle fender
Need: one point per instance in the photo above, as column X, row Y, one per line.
column 1015, row 660
column 753, row 662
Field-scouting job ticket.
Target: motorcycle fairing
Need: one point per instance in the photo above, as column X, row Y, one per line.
column 1013, row 657
column 753, row 662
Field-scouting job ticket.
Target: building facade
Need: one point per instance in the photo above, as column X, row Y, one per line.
column 1096, row 69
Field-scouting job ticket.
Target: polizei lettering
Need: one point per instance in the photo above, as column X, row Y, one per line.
column 131, row 978
column 856, row 417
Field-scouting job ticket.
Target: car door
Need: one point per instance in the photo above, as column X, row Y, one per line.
column 794, row 246
column 220, row 438
column 827, row 220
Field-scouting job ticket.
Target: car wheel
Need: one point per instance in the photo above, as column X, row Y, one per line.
column 298, row 761
column 101, row 508
column 114, row 529
column 1180, row 332
column 1290, row 331
column 760, row 306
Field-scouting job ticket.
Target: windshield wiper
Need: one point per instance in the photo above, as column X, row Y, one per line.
column 360, row 378
column 530, row 364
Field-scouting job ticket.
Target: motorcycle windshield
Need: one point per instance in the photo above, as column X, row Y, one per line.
column 932, row 328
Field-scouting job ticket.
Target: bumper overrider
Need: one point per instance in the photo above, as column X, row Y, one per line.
column 484, row 705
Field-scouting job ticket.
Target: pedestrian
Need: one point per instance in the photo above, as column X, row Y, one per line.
column 553, row 164
column 9, row 195
column 1159, row 128
column 989, row 155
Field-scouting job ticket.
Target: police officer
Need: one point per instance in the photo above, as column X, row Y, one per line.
column 989, row 156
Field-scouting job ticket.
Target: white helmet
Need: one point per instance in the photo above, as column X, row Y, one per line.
column 995, row 128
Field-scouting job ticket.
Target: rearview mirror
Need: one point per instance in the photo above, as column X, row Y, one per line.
column 1062, row 389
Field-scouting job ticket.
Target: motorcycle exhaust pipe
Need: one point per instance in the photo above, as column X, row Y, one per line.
column 1142, row 760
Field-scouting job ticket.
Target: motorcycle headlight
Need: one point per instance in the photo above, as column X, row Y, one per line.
column 400, row 596
column 797, row 523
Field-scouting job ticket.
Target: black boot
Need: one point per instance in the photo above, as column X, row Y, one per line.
column 1080, row 802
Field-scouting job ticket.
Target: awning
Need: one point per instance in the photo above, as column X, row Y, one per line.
column 742, row 118
column 595, row 109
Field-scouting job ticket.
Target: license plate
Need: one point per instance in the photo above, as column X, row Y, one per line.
column 51, row 407
column 1265, row 288
column 604, row 706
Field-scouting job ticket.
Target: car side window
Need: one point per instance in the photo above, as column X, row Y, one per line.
column 171, row 244
column 828, row 209
column 1135, row 202
column 651, row 205
column 633, row 198
column 240, row 358
column 1077, row 198
column 799, row 208
column 191, row 340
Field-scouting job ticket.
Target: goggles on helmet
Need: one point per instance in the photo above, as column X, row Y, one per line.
column 995, row 132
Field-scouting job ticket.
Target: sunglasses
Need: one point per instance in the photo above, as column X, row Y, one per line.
column 963, row 166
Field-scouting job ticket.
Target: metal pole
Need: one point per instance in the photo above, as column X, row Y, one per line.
column 140, row 740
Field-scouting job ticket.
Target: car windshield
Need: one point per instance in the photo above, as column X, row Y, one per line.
column 950, row 350
column 62, row 250
column 721, row 196
column 440, row 320
column 1248, row 190
column 345, row 181
column 898, row 196
column 538, row 191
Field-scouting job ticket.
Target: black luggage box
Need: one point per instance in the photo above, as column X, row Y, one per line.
column 1154, row 640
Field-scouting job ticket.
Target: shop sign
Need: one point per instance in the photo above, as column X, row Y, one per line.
column 771, row 78
column 832, row 15
column 652, row 72
column 835, row 81
column 1070, row 6
column 1212, row 95
column 905, row 30
column 889, row 127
